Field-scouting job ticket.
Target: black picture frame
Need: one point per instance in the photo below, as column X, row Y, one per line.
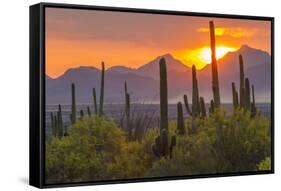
column 37, row 92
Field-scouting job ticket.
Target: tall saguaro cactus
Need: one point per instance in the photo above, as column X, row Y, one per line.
column 202, row 108
column 180, row 122
column 235, row 100
column 195, row 99
column 127, row 109
column 163, row 95
column 60, row 122
column 95, row 101
column 89, row 111
column 247, row 94
column 101, row 90
column 195, row 94
column 215, row 77
column 73, row 104
column 161, row 146
column 53, row 124
column 242, row 82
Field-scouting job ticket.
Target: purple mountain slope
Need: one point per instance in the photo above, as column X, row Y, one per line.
column 143, row 82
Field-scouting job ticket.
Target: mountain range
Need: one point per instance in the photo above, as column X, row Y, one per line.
column 143, row 82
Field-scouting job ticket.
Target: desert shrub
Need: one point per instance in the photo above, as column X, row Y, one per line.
column 132, row 162
column 97, row 149
column 265, row 164
column 222, row 144
column 84, row 155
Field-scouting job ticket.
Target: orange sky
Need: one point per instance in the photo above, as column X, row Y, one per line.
column 85, row 38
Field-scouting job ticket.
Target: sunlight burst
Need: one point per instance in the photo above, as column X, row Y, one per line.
column 205, row 53
column 200, row 57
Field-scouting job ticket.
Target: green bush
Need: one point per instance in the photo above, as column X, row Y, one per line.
column 97, row 149
column 85, row 154
column 222, row 144
column 265, row 164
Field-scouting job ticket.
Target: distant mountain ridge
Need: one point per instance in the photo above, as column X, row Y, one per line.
column 143, row 82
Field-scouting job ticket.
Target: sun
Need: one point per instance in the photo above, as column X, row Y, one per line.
column 200, row 57
column 205, row 53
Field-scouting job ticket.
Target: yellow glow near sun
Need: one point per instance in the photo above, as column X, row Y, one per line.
column 205, row 53
column 202, row 56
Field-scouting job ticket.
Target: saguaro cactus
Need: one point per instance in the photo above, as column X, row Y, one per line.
column 60, row 122
column 95, row 101
column 89, row 111
column 53, row 124
column 173, row 144
column 127, row 109
column 180, row 123
column 187, row 105
column 161, row 146
column 247, row 94
column 242, row 82
column 81, row 114
column 56, row 124
column 101, row 90
column 195, row 94
column 215, row 78
column 202, row 108
column 195, row 99
column 212, row 107
column 235, row 101
column 163, row 95
column 73, row 104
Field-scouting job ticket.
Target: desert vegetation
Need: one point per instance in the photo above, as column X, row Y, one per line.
column 209, row 141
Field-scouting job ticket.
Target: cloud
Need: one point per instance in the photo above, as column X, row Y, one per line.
column 236, row 32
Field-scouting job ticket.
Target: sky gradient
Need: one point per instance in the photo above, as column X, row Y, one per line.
column 86, row 38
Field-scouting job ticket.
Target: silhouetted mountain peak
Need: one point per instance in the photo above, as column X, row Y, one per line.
column 120, row 69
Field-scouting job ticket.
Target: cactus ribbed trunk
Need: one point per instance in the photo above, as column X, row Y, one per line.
column 101, row 90
column 235, row 101
column 127, row 110
column 173, row 144
column 89, row 111
column 163, row 95
column 161, row 145
column 202, row 107
column 247, row 94
column 163, row 107
column 212, row 107
column 195, row 99
column 53, row 124
column 95, row 101
column 81, row 114
column 60, row 122
column 73, row 104
column 56, row 124
column 180, row 122
column 215, row 77
column 242, row 82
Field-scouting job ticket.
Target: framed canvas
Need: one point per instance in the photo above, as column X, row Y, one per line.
column 131, row 95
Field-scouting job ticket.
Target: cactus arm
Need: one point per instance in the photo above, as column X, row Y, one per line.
column 187, row 105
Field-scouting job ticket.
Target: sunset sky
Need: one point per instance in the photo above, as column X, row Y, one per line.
column 86, row 37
